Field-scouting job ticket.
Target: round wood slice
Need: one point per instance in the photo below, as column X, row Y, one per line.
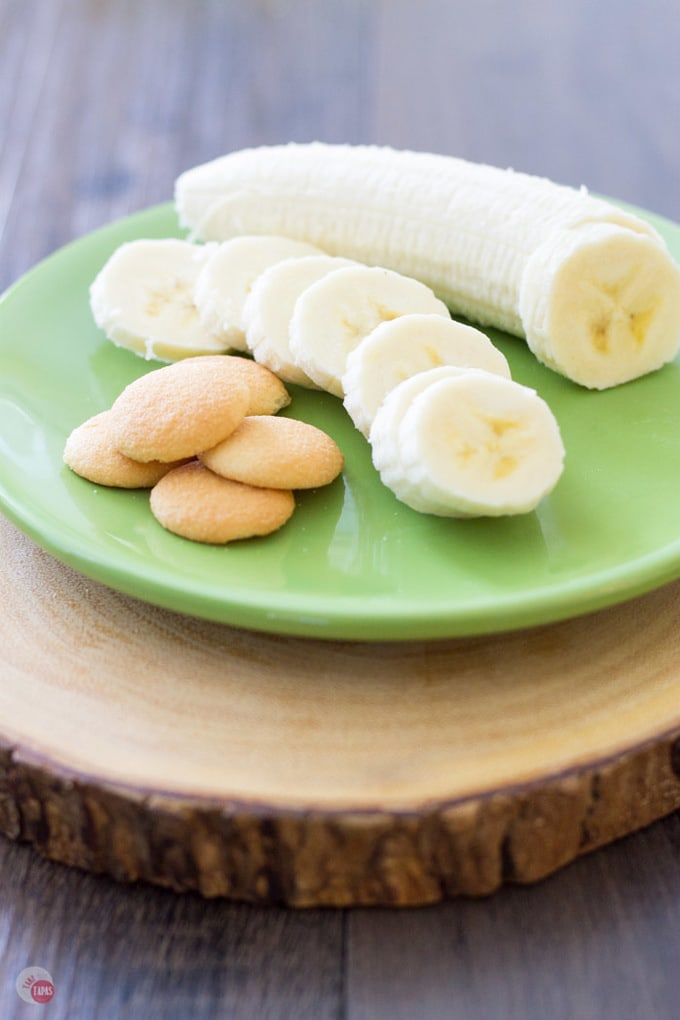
column 148, row 745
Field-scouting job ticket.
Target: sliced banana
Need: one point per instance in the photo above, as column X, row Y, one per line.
column 269, row 308
column 396, row 350
column 333, row 315
column 472, row 444
column 384, row 431
column 225, row 282
column 143, row 299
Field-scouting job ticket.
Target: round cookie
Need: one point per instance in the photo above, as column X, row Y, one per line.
column 267, row 393
column 193, row 502
column 91, row 453
column 177, row 411
column 279, row 453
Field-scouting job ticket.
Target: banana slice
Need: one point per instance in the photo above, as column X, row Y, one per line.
column 143, row 299
column 396, row 350
column 384, row 431
column 269, row 308
column 473, row 444
column 224, row 284
column 334, row 314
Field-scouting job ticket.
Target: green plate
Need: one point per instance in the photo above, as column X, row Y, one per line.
column 352, row 562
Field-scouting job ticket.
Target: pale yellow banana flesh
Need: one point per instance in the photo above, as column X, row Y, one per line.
column 491, row 243
column 601, row 305
column 143, row 299
column 383, row 434
column 225, row 281
column 406, row 346
column 462, row 443
column 334, row 314
column 269, row 308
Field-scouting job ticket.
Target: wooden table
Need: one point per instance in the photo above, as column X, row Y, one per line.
column 102, row 103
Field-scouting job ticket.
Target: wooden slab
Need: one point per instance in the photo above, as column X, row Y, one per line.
column 148, row 745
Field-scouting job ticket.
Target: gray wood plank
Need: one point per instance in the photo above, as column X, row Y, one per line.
column 598, row 941
column 117, row 951
column 26, row 45
column 122, row 96
column 580, row 92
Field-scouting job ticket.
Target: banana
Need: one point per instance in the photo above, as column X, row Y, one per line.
column 403, row 347
column 383, row 434
column 143, row 299
column 468, row 444
column 225, row 281
column 269, row 308
column 601, row 304
column 334, row 314
column 592, row 288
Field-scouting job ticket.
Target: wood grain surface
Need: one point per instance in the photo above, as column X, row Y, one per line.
column 102, row 103
column 145, row 745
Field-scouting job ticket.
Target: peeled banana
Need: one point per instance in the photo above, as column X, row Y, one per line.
column 592, row 288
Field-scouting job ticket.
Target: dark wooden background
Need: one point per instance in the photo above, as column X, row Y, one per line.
column 102, row 104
